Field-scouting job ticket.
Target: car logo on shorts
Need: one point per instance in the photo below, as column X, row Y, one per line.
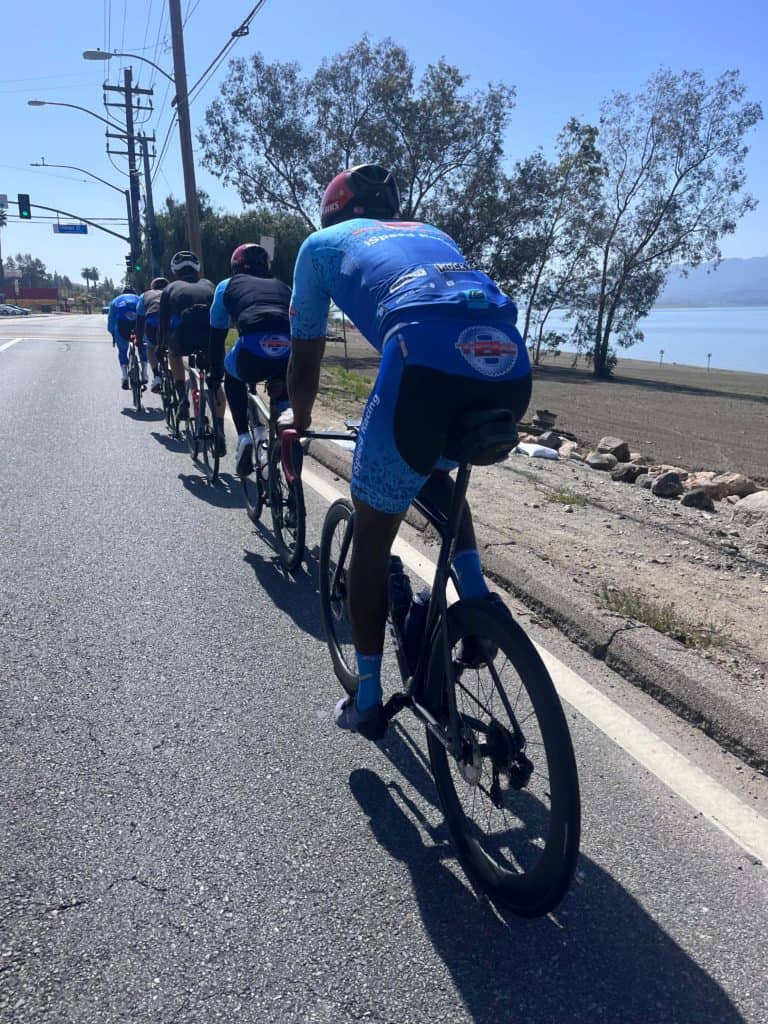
column 488, row 350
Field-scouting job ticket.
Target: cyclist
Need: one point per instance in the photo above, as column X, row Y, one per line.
column 257, row 304
column 449, row 346
column 121, row 322
column 183, row 326
column 147, row 317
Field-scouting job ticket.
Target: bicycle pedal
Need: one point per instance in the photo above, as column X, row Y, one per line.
column 395, row 705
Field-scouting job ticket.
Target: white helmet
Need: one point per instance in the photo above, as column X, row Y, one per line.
column 184, row 260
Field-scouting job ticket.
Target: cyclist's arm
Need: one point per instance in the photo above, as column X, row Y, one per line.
column 310, row 303
column 217, row 337
column 111, row 318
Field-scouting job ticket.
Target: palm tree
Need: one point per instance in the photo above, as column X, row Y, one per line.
column 90, row 274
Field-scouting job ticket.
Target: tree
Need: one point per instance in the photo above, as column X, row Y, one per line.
column 33, row 271
column 674, row 157
column 223, row 232
column 547, row 258
column 279, row 137
column 90, row 274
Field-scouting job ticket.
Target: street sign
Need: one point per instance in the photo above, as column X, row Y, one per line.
column 3, row 202
column 70, row 229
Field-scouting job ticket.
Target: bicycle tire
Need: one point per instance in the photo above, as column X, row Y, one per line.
column 286, row 503
column 537, row 868
column 334, row 609
column 254, row 486
column 134, row 376
column 211, row 457
column 192, row 424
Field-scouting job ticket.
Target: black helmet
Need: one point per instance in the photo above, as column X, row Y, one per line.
column 185, row 260
column 250, row 258
column 129, row 290
column 368, row 190
column 158, row 283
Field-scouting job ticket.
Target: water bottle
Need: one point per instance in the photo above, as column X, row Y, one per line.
column 415, row 622
column 399, row 593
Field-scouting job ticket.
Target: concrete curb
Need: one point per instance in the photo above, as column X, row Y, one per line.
column 692, row 687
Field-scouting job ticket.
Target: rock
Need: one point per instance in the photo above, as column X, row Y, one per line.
column 646, row 480
column 753, row 508
column 732, row 499
column 528, row 438
column 698, row 497
column 614, row 446
column 667, row 485
column 627, row 472
column 734, row 483
column 568, row 449
column 603, row 462
column 544, row 419
column 657, row 470
column 550, row 439
column 639, row 458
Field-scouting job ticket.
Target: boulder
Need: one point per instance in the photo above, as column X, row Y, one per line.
column 603, row 462
column 698, row 497
column 568, row 449
column 614, row 446
column 753, row 508
column 627, row 472
column 544, row 419
column 667, row 485
column 734, row 483
column 658, row 469
column 646, row 480
column 550, row 439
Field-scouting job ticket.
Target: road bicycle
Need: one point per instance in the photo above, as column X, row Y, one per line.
column 276, row 481
column 167, row 390
column 138, row 387
column 200, row 425
column 498, row 741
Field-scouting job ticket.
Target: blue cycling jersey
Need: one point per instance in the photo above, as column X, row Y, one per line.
column 123, row 307
column 375, row 270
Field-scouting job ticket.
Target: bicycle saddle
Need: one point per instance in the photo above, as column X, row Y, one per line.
column 482, row 438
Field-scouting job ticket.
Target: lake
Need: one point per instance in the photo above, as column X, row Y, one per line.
column 736, row 336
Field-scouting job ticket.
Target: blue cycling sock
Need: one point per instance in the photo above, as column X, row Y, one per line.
column 470, row 573
column 369, row 688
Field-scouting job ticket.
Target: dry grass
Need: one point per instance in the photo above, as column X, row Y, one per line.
column 664, row 618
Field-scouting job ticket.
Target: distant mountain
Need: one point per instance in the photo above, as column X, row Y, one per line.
column 733, row 283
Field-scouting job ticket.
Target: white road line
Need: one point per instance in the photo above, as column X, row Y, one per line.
column 741, row 823
column 9, row 343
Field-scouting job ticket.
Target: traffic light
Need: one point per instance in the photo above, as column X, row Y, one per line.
column 24, row 210
column 129, row 266
column 137, row 261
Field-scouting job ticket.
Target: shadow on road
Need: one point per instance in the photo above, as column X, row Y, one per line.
column 225, row 493
column 295, row 594
column 600, row 957
column 150, row 415
column 173, row 444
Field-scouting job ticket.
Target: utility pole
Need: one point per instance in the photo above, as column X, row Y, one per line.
column 154, row 259
column 185, row 132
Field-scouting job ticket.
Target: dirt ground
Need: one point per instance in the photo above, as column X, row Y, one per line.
column 680, row 415
column 601, row 534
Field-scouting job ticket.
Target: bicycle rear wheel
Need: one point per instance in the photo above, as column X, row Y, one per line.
column 134, row 376
column 511, row 802
column 286, row 503
column 193, row 423
column 209, row 440
column 335, row 546
column 254, row 486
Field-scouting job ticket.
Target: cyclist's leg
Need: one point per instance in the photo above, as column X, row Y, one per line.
column 150, row 337
column 122, row 354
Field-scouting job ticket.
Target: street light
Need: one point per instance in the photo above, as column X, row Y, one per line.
column 82, row 170
column 104, row 55
column 74, row 106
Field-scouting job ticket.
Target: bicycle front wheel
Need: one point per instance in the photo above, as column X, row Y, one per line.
column 335, row 546
column 254, row 486
column 209, row 440
column 511, row 800
column 192, row 425
column 286, row 503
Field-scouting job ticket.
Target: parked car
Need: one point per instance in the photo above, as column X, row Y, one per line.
column 18, row 309
column 8, row 310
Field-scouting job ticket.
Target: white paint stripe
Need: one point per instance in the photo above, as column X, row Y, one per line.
column 741, row 823
column 8, row 344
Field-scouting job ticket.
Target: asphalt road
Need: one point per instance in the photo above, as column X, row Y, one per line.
column 184, row 837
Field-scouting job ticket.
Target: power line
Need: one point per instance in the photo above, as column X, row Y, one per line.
column 242, row 30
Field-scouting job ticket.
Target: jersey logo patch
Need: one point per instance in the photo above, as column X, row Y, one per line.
column 401, row 282
column 275, row 347
column 488, row 350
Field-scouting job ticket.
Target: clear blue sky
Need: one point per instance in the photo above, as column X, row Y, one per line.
column 562, row 57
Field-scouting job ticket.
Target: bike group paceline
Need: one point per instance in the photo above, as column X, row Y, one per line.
column 453, row 381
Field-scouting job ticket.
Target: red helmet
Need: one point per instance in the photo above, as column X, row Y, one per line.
column 250, row 258
column 368, row 190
